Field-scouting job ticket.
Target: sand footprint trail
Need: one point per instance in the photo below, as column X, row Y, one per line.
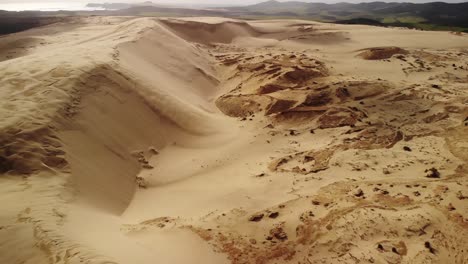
column 131, row 140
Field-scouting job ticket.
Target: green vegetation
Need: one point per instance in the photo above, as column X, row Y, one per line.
column 427, row 16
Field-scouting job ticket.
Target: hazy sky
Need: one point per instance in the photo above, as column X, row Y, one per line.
column 220, row 2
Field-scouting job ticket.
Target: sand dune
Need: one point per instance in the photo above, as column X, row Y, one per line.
column 212, row 140
column 210, row 33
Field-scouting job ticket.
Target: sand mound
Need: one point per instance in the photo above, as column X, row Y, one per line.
column 309, row 36
column 188, row 83
column 381, row 53
column 270, row 88
column 271, row 83
column 338, row 117
column 207, row 33
column 242, row 106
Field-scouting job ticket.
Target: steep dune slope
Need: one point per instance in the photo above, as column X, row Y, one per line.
column 209, row 33
column 82, row 114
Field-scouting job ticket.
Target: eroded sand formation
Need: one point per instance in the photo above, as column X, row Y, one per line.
column 206, row 140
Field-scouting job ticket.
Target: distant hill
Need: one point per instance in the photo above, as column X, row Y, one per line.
column 12, row 22
column 436, row 15
column 168, row 11
column 118, row 6
column 427, row 16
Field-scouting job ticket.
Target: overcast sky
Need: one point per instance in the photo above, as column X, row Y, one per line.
column 220, row 2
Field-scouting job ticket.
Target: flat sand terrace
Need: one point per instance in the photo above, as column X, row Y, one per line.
column 131, row 140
